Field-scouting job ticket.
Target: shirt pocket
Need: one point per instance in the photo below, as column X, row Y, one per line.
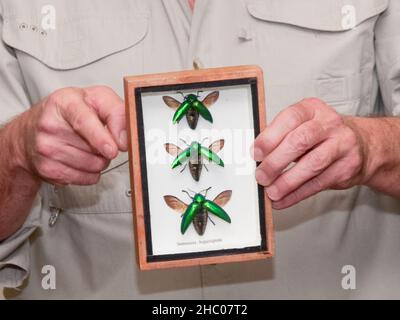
column 317, row 48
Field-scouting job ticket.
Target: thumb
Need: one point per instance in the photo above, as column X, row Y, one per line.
column 111, row 111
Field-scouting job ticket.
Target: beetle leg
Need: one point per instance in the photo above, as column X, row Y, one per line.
column 184, row 167
column 205, row 167
column 211, row 220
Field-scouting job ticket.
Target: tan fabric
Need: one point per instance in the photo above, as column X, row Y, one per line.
column 305, row 50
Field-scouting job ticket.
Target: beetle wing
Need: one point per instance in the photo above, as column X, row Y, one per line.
column 215, row 209
column 181, row 158
column 203, row 111
column 211, row 98
column 175, row 204
column 223, row 198
column 189, row 215
column 180, row 112
column 211, row 156
column 217, row 145
column 171, row 102
column 172, row 149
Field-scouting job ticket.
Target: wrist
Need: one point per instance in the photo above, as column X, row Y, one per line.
column 14, row 159
column 378, row 148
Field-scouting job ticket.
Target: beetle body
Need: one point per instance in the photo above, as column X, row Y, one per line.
column 194, row 155
column 197, row 212
column 192, row 108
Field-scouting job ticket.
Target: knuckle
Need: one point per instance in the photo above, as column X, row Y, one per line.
column 42, row 146
column 350, row 137
column 317, row 185
column 46, row 123
column 78, row 123
column 297, row 116
column 61, row 96
column 101, row 89
column 313, row 102
column 335, row 120
column 317, row 161
column 100, row 164
column 48, row 170
column 284, row 184
column 270, row 167
column 55, row 98
column 300, row 141
column 354, row 163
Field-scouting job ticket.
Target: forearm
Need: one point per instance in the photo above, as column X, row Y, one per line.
column 17, row 186
column 381, row 149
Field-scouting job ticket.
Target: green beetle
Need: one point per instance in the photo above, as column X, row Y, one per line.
column 195, row 153
column 197, row 212
column 192, row 107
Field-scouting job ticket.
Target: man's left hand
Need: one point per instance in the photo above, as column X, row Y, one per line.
column 327, row 149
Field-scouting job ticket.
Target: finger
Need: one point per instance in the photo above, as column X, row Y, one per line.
column 57, row 173
column 67, row 136
column 86, row 123
column 285, row 122
column 293, row 146
column 111, row 110
column 309, row 166
column 72, row 156
column 317, row 184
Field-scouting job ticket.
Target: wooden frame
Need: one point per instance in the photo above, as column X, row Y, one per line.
column 133, row 86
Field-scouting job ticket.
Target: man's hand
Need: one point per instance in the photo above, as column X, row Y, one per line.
column 68, row 138
column 72, row 135
column 328, row 150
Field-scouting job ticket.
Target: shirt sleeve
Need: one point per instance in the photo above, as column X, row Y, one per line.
column 387, row 44
column 14, row 251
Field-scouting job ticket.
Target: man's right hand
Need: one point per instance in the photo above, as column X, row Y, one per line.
column 71, row 136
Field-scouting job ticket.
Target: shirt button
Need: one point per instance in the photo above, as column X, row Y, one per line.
column 197, row 64
column 245, row 34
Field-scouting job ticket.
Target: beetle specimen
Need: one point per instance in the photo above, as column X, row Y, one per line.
column 195, row 153
column 192, row 107
column 197, row 212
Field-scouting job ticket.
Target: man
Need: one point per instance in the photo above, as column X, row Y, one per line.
column 61, row 214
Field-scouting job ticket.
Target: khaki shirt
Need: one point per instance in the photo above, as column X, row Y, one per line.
column 305, row 47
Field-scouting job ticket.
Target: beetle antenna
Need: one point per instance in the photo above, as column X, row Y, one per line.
column 206, row 138
column 184, row 191
column 194, row 192
column 180, row 92
column 198, row 93
column 184, row 142
column 206, row 190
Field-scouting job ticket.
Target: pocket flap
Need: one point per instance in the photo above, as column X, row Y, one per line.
column 77, row 41
column 324, row 15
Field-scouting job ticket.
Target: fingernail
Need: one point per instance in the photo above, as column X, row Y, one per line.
column 108, row 151
column 261, row 177
column 258, row 154
column 272, row 193
column 123, row 138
